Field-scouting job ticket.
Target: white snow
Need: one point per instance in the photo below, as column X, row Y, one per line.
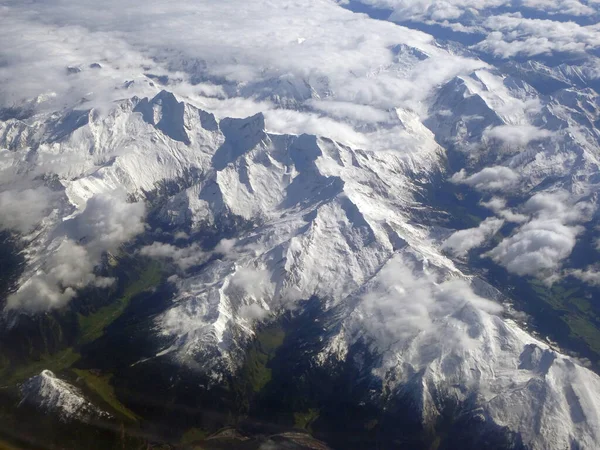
column 51, row 394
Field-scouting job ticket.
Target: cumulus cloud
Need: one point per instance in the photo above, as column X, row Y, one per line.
column 558, row 205
column 433, row 10
column 107, row 222
column 225, row 246
column 452, row 12
column 184, row 257
column 460, row 242
column 498, row 206
column 516, row 135
column 539, row 247
column 69, row 268
column 514, row 35
column 506, row 32
column 590, row 275
column 400, row 305
column 22, row 210
column 496, row 178
column 566, row 7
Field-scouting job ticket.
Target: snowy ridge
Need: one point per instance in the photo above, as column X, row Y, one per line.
column 332, row 222
column 125, row 148
column 311, row 195
column 53, row 395
column 541, row 137
column 467, row 354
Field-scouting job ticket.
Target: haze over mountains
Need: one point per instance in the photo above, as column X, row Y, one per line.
column 284, row 210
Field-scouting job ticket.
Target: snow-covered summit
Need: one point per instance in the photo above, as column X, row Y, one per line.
column 53, row 395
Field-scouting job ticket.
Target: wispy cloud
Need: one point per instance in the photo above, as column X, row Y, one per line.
column 514, row 35
column 499, row 207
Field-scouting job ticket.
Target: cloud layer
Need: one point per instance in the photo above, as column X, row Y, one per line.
column 509, row 27
column 291, row 51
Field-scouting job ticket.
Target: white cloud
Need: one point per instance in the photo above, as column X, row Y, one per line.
column 496, row 178
column 181, row 235
column 567, row 7
column 343, row 55
column 558, row 205
column 461, row 241
column 106, row 222
column 253, row 282
column 498, row 206
column 184, row 257
column 539, row 247
column 433, row 10
column 253, row 312
column 514, row 35
column 226, row 246
column 516, row 135
column 508, row 34
column 401, row 305
column 589, row 275
column 447, row 11
column 69, row 268
column 294, row 122
column 350, row 111
column 22, row 210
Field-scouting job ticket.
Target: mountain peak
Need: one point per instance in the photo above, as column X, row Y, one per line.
column 49, row 393
column 166, row 113
column 241, row 135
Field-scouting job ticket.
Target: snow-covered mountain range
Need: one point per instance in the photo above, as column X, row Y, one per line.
column 346, row 214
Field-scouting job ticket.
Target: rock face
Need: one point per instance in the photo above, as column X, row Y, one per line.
column 52, row 395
